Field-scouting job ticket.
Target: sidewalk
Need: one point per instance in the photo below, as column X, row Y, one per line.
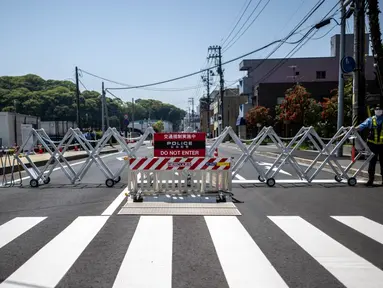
column 42, row 159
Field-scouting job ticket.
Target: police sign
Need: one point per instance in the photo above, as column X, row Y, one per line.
column 179, row 145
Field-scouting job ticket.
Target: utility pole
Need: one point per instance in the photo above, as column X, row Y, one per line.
column 206, row 79
column 358, row 109
column 102, row 108
column 342, row 52
column 191, row 123
column 132, row 114
column 77, row 101
column 106, row 112
column 215, row 53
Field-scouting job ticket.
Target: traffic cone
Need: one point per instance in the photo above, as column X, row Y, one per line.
column 40, row 149
column 75, row 148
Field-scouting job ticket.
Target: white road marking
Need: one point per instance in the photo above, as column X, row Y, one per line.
column 363, row 225
column 268, row 166
column 16, row 227
column 246, row 265
column 148, row 261
column 51, row 263
column 239, row 177
column 348, row 267
column 116, row 202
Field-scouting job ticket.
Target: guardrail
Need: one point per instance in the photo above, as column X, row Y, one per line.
column 39, row 176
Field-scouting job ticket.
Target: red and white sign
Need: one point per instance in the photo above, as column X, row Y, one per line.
column 179, row 144
column 156, row 163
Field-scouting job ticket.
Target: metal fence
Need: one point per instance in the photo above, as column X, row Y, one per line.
column 57, row 161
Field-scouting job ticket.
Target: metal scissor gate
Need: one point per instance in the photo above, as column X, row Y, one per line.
column 154, row 176
column 167, row 179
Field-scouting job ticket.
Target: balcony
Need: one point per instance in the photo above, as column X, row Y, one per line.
column 245, row 86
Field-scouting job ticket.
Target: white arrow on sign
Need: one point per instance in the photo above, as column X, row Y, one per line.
column 268, row 166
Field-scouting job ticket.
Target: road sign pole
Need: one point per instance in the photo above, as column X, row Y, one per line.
column 342, row 50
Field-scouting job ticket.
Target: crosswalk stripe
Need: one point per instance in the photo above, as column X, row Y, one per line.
column 246, row 265
column 50, row 263
column 16, row 227
column 349, row 268
column 148, row 261
column 363, row 225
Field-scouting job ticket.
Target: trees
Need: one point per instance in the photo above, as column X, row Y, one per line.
column 258, row 115
column 56, row 100
column 298, row 107
column 158, row 126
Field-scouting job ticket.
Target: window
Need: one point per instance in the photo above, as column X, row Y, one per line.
column 321, row 74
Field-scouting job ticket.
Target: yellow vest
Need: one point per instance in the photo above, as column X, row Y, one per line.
column 374, row 136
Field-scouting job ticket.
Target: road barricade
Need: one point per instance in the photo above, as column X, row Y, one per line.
column 205, row 176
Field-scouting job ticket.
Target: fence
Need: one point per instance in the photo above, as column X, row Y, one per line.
column 153, row 181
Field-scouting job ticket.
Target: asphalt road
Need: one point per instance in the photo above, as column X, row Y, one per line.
column 290, row 235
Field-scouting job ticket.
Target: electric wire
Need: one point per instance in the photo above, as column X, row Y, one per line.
column 239, row 20
column 187, row 75
column 292, row 32
column 243, row 25
column 247, row 28
column 294, row 50
column 215, row 66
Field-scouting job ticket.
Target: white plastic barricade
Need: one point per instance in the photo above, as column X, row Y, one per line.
column 164, row 176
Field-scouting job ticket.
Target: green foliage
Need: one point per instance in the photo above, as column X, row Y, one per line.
column 258, row 115
column 158, row 126
column 56, row 100
column 298, row 107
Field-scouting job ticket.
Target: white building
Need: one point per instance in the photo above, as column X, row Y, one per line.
column 14, row 128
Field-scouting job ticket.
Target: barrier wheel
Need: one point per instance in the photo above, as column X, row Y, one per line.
column 34, row 183
column 47, row 180
column 109, row 183
column 270, row 182
column 352, row 181
column 261, row 179
column 338, row 178
column 118, row 179
column 138, row 199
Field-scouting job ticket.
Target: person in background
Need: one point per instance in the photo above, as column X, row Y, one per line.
column 374, row 142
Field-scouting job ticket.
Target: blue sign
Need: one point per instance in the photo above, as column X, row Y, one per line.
column 347, row 64
column 126, row 122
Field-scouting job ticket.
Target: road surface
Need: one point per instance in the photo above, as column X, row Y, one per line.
column 291, row 235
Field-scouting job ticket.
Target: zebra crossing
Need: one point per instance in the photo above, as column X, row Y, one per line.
column 161, row 251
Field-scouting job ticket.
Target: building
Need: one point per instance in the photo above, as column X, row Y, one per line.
column 15, row 128
column 57, row 129
column 231, row 101
column 141, row 125
column 267, row 80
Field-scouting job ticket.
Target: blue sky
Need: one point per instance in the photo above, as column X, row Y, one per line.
column 140, row 42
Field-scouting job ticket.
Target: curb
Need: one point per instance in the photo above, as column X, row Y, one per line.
column 304, row 161
column 8, row 169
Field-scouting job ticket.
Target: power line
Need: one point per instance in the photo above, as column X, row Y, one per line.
column 247, row 28
column 82, row 84
column 190, row 74
column 247, row 20
column 292, row 32
column 294, row 50
column 239, row 20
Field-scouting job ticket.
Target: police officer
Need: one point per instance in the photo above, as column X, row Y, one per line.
column 374, row 142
